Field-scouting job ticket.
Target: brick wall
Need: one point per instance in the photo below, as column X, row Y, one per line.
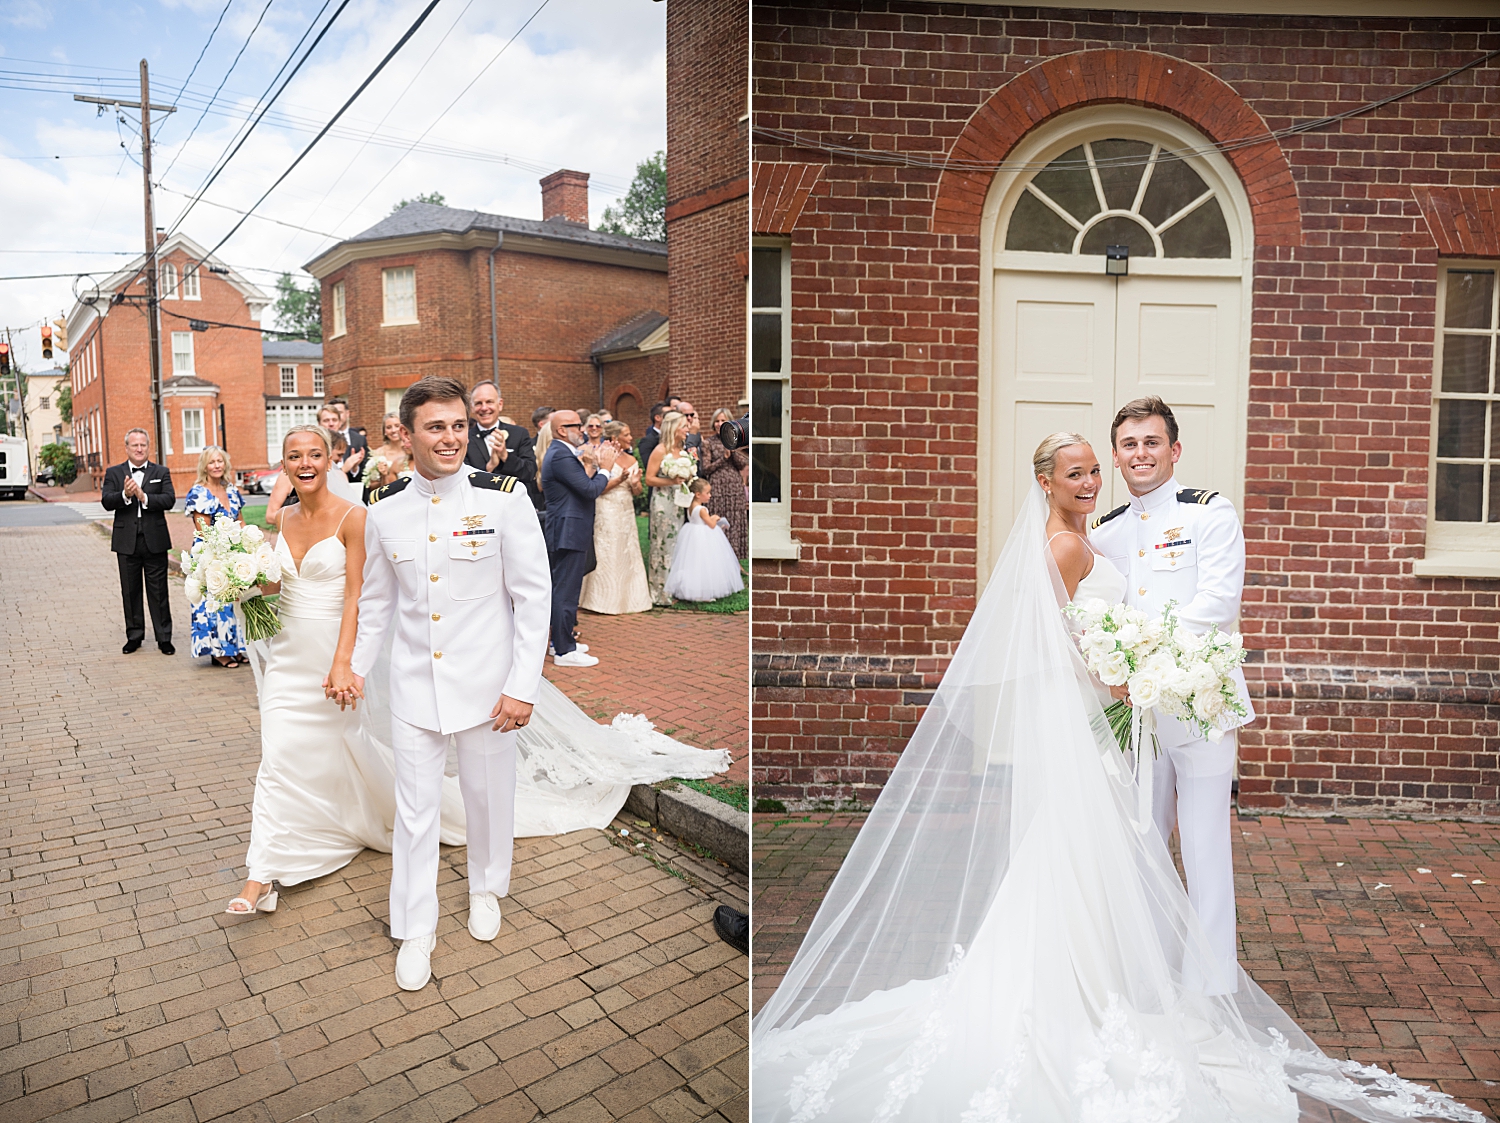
column 707, row 189
column 548, row 312
column 1378, row 688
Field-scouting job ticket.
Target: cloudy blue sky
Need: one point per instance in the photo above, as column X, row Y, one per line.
column 582, row 87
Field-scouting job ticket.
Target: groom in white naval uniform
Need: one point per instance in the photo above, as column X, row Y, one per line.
column 1183, row 545
column 455, row 557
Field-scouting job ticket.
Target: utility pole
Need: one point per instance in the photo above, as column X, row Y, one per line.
column 153, row 307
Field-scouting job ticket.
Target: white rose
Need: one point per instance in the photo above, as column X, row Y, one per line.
column 252, row 535
column 1208, row 706
column 1097, row 642
column 193, row 588
column 1145, row 688
column 1114, row 668
column 216, row 578
column 1091, row 611
column 232, row 531
column 1129, row 636
column 245, row 569
column 272, row 572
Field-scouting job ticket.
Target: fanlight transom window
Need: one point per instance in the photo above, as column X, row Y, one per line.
column 1119, row 192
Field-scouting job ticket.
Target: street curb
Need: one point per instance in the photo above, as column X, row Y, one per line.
column 696, row 818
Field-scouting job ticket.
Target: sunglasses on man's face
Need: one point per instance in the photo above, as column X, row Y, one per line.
column 689, row 415
column 574, row 425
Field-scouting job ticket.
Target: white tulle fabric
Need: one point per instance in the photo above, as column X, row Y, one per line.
column 704, row 565
column 325, row 789
column 1001, row 943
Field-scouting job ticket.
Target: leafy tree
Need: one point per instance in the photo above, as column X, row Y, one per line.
column 60, row 459
column 299, row 311
column 433, row 197
column 642, row 213
column 65, row 402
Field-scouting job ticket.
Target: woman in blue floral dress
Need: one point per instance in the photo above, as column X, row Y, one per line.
column 216, row 634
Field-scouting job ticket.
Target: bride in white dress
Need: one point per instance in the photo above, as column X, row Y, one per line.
column 1004, row 940
column 325, row 789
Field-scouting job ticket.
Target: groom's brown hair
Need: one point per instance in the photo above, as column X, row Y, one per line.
column 433, row 388
column 1141, row 408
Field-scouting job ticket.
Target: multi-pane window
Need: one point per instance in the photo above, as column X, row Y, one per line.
column 400, row 284
column 182, row 352
column 1119, row 192
column 288, row 381
column 317, row 381
column 190, row 281
column 282, row 417
column 1466, row 471
column 770, row 400
column 168, row 280
column 192, row 430
column 340, row 322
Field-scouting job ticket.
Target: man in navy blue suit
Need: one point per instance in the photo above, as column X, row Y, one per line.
column 570, row 482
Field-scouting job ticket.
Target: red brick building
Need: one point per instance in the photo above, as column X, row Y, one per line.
column 439, row 290
column 211, row 391
column 1311, row 282
column 708, row 187
column 293, row 387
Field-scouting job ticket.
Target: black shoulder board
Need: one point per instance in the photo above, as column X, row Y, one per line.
column 1195, row 495
column 390, row 489
column 1102, row 519
column 494, row 483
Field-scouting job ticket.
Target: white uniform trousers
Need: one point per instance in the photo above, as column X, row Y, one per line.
column 487, row 778
column 1192, row 781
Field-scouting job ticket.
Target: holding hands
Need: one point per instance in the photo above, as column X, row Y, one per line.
column 343, row 686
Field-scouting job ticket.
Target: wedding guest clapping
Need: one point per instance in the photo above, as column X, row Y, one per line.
column 140, row 493
column 618, row 583
column 213, row 496
column 667, row 503
column 572, row 483
column 391, row 460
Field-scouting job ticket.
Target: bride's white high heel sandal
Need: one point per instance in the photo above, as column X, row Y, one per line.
column 266, row 903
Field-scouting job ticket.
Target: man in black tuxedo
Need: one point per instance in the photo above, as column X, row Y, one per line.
column 498, row 448
column 652, row 436
column 140, row 494
column 571, row 483
column 336, row 421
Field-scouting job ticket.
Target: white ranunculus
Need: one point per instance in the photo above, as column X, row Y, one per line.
column 1129, row 636
column 272, row 572
column 1114, row 668
column 1097, row 642
column 1204, row 678
column 193, row 588
column 252, row 536
column 245, row 569
column 216, row 578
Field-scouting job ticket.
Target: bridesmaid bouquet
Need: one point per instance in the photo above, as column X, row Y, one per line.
column 225, row 564
column 1165, row 666
column 680, row 466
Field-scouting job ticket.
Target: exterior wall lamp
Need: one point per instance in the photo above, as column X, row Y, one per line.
column 1116, row 261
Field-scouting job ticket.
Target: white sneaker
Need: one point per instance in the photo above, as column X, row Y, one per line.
column 484, row 916
column 414, row 962
column 580, row 646
column 575, row 658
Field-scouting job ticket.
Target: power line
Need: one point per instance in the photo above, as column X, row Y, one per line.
column 410, row 31
column 201, row 53
column 263, row 218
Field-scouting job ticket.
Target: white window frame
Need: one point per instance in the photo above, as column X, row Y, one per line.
column 340, row 311
column 771, row 523
column 317, row 380
column 178, row 337
column 1459, row 549
column 392, row 318
column 188, row 444
column 166, row 281
column 189, row 289
column 281, row 416
column 283, row 371
column 166, row 430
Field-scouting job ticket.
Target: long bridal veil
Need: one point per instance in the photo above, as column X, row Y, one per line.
column 1005, row 942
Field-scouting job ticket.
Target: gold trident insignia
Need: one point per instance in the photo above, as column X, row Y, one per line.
column 472, row 522
column 1175, row 532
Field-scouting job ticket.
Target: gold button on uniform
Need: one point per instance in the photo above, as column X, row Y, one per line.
column 437, row 654
column 1143, row 590
column 434, row 577
column 435, row 499
column 1143, row 517
column 1143, row 553
column 435, row 616
column 432, row 538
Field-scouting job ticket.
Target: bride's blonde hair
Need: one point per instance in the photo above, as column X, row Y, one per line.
column 1044, row 459
column 321, row 432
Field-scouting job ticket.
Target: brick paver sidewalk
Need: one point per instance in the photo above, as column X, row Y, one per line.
column 1363, row 932
column 125, row 992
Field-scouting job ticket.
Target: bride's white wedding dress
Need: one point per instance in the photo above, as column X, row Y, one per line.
column 325, row 789
column 1005, row 941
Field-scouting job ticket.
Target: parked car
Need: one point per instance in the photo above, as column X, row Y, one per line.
column 260, row 481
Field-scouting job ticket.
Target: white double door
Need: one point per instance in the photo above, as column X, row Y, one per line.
column 1070, row 349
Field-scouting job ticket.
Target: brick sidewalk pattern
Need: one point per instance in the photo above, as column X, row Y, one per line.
column 1338, row 921
column 126, row 993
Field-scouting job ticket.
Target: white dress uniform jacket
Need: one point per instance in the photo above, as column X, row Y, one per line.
column 460, row 565
column 1183, row 545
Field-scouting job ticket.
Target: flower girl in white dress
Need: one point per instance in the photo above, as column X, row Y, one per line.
column 704, row 566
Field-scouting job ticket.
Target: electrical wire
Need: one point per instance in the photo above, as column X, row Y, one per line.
column 186, row 81
column 410, row 31
column 248, row 214
column 792, row 139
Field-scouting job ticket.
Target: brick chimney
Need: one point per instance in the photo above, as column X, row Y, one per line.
column 565, row 197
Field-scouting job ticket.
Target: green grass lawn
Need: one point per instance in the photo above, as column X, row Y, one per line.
column 256, row 516
column 734, row 602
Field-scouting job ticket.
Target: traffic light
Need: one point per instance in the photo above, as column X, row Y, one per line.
column 4, row 358
column 61, row 334
column 46, row 341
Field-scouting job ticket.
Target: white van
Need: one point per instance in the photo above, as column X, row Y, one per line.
column 15, row 467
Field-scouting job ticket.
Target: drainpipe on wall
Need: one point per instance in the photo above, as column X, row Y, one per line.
column 599, row 373
column 494, row 336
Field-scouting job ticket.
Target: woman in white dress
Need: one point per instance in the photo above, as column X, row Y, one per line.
column 1005, row 940
column 325, row 789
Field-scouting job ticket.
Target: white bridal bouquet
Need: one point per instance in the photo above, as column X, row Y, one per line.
column 226, row 564
column 1166, row 667
column 679, row 466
